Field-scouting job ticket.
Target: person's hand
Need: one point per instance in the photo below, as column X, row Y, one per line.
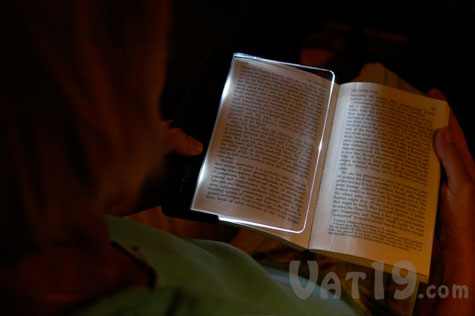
column 172, row 140
column 457, row 192
column 454, row 248
column 175, row 140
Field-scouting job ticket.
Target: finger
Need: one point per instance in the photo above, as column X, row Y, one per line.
column 454, row 167
column 461, row 145
column 457, row 135
column 166, row 124
column 436, row 94
column 179, row 142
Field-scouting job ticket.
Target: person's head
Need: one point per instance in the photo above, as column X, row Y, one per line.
column 78, row 120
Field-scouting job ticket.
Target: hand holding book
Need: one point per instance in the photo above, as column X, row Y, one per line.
column 453, row 259
column 172, row 140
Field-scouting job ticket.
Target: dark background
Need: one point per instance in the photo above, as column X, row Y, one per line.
column 428, row 43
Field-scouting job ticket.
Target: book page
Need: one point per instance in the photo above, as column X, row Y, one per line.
column 381, row 178
column 260, row 165
column 301, row 240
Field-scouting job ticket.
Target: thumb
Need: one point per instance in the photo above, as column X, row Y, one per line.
column 457, row 175
column 436, row 94
column 179, row 142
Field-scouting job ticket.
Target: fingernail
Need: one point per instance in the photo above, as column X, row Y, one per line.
column 194, row 146
column 448, row 136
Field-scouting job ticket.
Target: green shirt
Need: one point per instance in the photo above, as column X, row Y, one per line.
column 199, row 277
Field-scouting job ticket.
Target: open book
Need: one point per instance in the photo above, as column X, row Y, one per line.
column 346, row 170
